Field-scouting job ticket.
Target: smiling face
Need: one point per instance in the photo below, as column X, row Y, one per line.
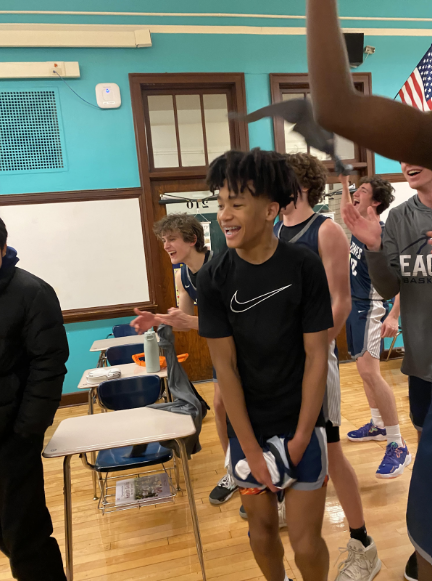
column 177, row 249
column 246, row 220
column 362, row 199
column 418, row 177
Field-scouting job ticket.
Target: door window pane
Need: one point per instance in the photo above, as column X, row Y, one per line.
column 217, row 126
column 294, row 142
column 190, row 130
column 163, row 134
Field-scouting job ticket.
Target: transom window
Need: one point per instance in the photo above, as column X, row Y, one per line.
column 285, row 87
column 186, row 129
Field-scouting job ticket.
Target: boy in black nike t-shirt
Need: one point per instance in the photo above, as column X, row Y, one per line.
column 265, row 309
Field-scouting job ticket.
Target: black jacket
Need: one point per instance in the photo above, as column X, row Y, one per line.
column 33, row 353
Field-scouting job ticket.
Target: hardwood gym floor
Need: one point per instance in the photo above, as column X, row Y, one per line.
column 157, row 543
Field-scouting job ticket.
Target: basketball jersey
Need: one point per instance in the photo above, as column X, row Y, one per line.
column 188, row 277
column 361, row 284
column 308, row 236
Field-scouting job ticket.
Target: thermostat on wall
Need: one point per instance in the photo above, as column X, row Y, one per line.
column 108, row 95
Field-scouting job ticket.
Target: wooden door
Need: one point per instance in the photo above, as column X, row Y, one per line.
column 181, row 124
column 198, row 366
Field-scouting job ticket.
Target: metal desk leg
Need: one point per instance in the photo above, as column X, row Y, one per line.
column 93, row 454
column 68, row 516
column 102, row 361
column 90, row 402
column 192, row 505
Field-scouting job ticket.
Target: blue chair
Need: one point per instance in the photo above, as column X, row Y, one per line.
column 122, row 394
column 123, row 331
column 122, row 354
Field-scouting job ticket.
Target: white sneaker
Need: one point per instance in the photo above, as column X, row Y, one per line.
column 362, row 563
column 282, row 514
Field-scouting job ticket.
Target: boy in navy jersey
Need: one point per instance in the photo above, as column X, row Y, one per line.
column 183, row 238
column 301, row 225
column 365, row 332
column 265, row 310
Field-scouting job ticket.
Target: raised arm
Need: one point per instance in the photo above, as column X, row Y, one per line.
column 334, row 252
column 346, row 196
column 387, row 127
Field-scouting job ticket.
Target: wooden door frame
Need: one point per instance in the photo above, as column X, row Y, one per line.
column 235, row 82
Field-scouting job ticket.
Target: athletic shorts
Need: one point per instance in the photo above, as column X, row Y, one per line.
column 332, row 397
column 363, row 328
column 310, row 474
column 419, row 513
column 420, row 396
column 332, row 433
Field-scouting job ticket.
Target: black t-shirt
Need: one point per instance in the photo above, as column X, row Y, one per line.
column 266, row 308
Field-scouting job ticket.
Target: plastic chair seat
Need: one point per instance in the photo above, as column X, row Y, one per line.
column 124, row 330
column 117, row 459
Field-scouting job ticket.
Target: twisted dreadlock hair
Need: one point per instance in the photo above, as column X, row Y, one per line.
column 270, row 172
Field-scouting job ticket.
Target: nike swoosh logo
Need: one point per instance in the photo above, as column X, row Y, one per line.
column 241, row 307
column 187, row 285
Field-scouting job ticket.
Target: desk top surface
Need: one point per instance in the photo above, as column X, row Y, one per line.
column 127, row 370
column 91, row 433
column 103, row 344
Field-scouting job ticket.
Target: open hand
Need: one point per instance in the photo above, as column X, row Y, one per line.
column 176, row 319
column 259, row 470
column 390, row 328
column 367, row 230
column 143, row 322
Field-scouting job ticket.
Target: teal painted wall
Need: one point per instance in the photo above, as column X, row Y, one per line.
column 100, row 144
column 80, row 337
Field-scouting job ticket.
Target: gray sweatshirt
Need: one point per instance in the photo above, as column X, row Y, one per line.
column 404, row 264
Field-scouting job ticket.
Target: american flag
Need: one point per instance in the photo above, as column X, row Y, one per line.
column 417, row 91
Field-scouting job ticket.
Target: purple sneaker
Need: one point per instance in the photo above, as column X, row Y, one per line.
column 368, row 432
column 394, row 461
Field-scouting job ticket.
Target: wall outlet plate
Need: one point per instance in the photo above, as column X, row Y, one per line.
column 369, row 49
column 108, row 96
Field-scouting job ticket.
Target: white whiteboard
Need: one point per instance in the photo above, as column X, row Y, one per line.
column 92, row 252
column 402, row 193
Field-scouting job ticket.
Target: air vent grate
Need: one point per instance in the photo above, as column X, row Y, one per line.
column 30, row 132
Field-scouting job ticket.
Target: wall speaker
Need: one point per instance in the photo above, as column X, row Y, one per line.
column 355, row 46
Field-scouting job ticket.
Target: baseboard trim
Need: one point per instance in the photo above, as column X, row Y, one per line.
column 76, row 398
